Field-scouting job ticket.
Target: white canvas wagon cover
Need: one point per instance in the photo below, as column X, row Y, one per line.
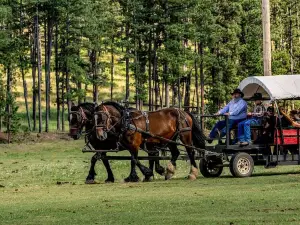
column 272, row 87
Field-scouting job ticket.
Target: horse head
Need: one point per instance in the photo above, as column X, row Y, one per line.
column 107, row 119
column 80, row 117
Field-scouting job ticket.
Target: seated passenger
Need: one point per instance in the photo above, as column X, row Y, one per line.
column 269, row 124
column 294, row 116
column 244, row 128
column 236, row 109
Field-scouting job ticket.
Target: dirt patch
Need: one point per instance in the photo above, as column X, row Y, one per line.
column 39, row 137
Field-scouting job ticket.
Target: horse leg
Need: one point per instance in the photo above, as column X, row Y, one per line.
column 187, row 140
column 194, row 169
column 90, row 179
column 110, row 175
column 158, row 168
column 151, row 164
column 148, row 173
column 133, row 177
column 172, row 164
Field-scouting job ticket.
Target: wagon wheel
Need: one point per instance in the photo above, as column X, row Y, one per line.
column 241, row 165
column 208, row 167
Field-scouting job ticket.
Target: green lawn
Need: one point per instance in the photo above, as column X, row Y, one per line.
column 29, row 193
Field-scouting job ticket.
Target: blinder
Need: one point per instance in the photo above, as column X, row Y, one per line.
column 101, row 119
column 76, row 121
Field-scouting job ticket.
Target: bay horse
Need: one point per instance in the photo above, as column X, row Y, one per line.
column 81, row 117
column 157, row 127
column 113, row 116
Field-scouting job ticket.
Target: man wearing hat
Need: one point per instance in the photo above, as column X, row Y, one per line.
column 236, row 109
column 244, row 128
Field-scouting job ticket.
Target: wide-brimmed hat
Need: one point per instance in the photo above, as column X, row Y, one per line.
column 257, row 96
column 238, row 91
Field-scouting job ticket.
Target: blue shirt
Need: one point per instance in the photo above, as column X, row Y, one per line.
column 237, row 109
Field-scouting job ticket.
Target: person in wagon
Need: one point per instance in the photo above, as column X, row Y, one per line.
column 244, row 128
column 236, row 109
column 295, row 116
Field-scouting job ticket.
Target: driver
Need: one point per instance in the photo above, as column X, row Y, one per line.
column 236, row 109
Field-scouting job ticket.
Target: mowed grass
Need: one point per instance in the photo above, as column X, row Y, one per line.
column 29, row 192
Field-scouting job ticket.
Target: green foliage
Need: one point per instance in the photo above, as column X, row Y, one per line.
column 160, row 40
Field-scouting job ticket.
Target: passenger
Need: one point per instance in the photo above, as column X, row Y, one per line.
column 294, row 116
column 244, row 128
column 269, row 125
column 236, row 109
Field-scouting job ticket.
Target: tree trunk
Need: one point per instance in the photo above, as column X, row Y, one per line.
column 112, row 70
column 291, row 40
column 155, row 73
column 85, row 91
column 150, row 76
column 187, row 92
column 48, row 69
column 26, row 98
column 197, row 82
column 127, row 63
column 200, row 51
column 22, row 61
column 93, row 59
column 8, row 104
column 63, row 103
column 39, row 56
column 67, row 69
column 34, row 66
column 266, row 37
column 166, row 83
column 57, row 79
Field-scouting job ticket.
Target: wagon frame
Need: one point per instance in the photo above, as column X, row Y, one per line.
column 241, row 160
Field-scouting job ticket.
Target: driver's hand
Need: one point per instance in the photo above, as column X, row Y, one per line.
column 217, row 114
column 226, row 114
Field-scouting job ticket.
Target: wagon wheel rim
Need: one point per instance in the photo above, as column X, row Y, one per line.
column 244, row 165
column 212, row 170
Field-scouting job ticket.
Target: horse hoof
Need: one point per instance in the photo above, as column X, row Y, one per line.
column 170, row 168
column 132, row 179
column 90, row 182
column 147, row 179
column 109, row 181
column 168, row 176
column 192, row 177
column 161, row 171
column 194, row 171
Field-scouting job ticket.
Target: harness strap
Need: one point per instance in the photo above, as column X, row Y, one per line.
column 84, row 117
column 145, row 114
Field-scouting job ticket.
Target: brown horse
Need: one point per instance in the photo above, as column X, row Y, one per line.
column 158, row 127
column 81, row 117
column 109, row 118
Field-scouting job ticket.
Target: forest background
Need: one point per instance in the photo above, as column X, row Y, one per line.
column 154, row 53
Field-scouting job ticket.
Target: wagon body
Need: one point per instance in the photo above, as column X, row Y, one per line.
column 283, row 149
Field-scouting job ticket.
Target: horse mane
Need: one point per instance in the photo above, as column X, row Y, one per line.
column 86, row 105
column 118, row 106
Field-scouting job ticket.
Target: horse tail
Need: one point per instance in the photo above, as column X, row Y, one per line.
column 197, row 134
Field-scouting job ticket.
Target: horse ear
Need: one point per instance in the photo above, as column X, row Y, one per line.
column 95, row 104
column 72, row 104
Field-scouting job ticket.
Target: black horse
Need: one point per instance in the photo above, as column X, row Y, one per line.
column 81, row 117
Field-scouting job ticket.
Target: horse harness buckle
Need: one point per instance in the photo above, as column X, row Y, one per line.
column 145, row 114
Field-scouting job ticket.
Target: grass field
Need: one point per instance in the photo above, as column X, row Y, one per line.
column 29, row 193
